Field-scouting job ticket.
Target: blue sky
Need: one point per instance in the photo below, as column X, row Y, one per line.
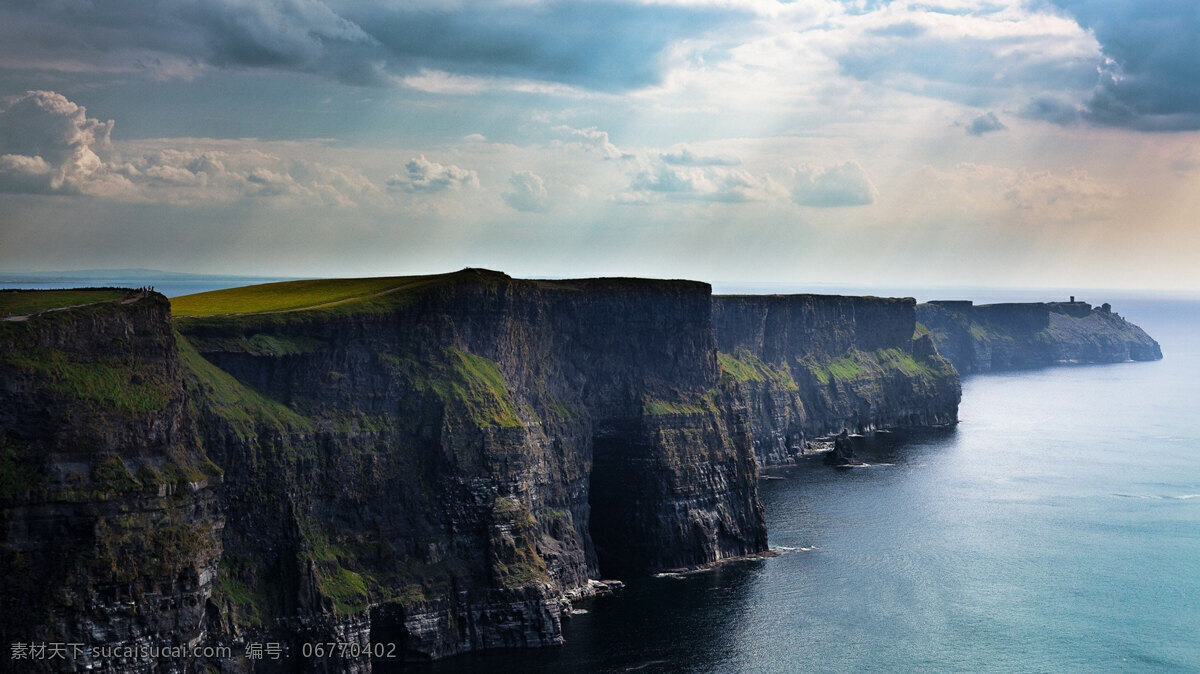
column 955, row 142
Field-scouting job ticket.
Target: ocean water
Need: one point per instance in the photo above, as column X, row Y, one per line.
column 1056, row 528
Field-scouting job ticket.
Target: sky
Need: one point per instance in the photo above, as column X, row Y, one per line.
column 955, row 142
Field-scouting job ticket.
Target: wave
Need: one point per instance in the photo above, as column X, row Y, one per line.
column 784, row 549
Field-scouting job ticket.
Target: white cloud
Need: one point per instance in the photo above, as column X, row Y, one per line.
column 834, row 186
column 695, row 183
column 49, row 145
column 528, row 192
column 594, row 140
column 686, row 157
column 422, row 175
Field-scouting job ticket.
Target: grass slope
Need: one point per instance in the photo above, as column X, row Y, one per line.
column 21, row 302
column 289, row 296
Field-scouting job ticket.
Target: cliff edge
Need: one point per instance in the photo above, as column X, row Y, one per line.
column 981, row 338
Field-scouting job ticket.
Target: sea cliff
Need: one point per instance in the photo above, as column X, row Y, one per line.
column 439, row 463
column 981, row 338
column 812, row 365
column 109, row 515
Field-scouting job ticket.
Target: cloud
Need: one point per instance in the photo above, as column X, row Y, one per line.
column 422, row 175
column 528, row 193
column 980, row 54
column 707, row 183
column 202, row 176
column 1054, row 110
column 594, row 140
column 606, row 46
column 1031, row 198
column 985, row 123
column 834, row 186
column 685, row 157
column 1072, row 195
column 1150, row 81
column 48, row 145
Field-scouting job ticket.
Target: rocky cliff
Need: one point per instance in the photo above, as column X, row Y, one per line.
column 111, row 532
column 439, row 463
column 812, row 365
column 979, row 338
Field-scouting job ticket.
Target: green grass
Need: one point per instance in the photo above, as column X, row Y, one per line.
column 517, row 562
column 845, row 369
column 262, row 344
column 243, row 407
column 230, row 588
column 860, row 365
column 464, row 380
column 744, row 366
column 289, row 296
column 110, row 474
column 653, row 407
column 108, row 382
column 345, row 588
column 21, row 302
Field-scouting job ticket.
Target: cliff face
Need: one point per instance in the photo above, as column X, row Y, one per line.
column 111, row 531
column 440, row 467
column 812, row 365
column 1024, row 335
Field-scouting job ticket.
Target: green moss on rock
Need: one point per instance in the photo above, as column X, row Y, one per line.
column 241, row 406
column 105, row 382
column 744, row 366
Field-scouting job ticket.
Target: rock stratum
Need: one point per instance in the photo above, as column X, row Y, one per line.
column 409, row 467
column 813, row 365
column 986, row 337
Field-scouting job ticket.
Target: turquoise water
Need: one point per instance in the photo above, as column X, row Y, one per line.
column 1057, row 528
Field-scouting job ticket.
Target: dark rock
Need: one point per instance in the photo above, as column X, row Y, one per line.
column 110, row 530
column 1028, row 335
column 811, row 365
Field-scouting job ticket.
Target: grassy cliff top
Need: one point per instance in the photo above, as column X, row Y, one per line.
column 22, row 302
column 289, row 296
column 359, row 294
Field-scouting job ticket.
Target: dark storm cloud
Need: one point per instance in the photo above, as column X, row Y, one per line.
column 1153, row 83
column 597, row 45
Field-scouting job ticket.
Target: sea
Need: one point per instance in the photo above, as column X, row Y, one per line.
column 1056, row 528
